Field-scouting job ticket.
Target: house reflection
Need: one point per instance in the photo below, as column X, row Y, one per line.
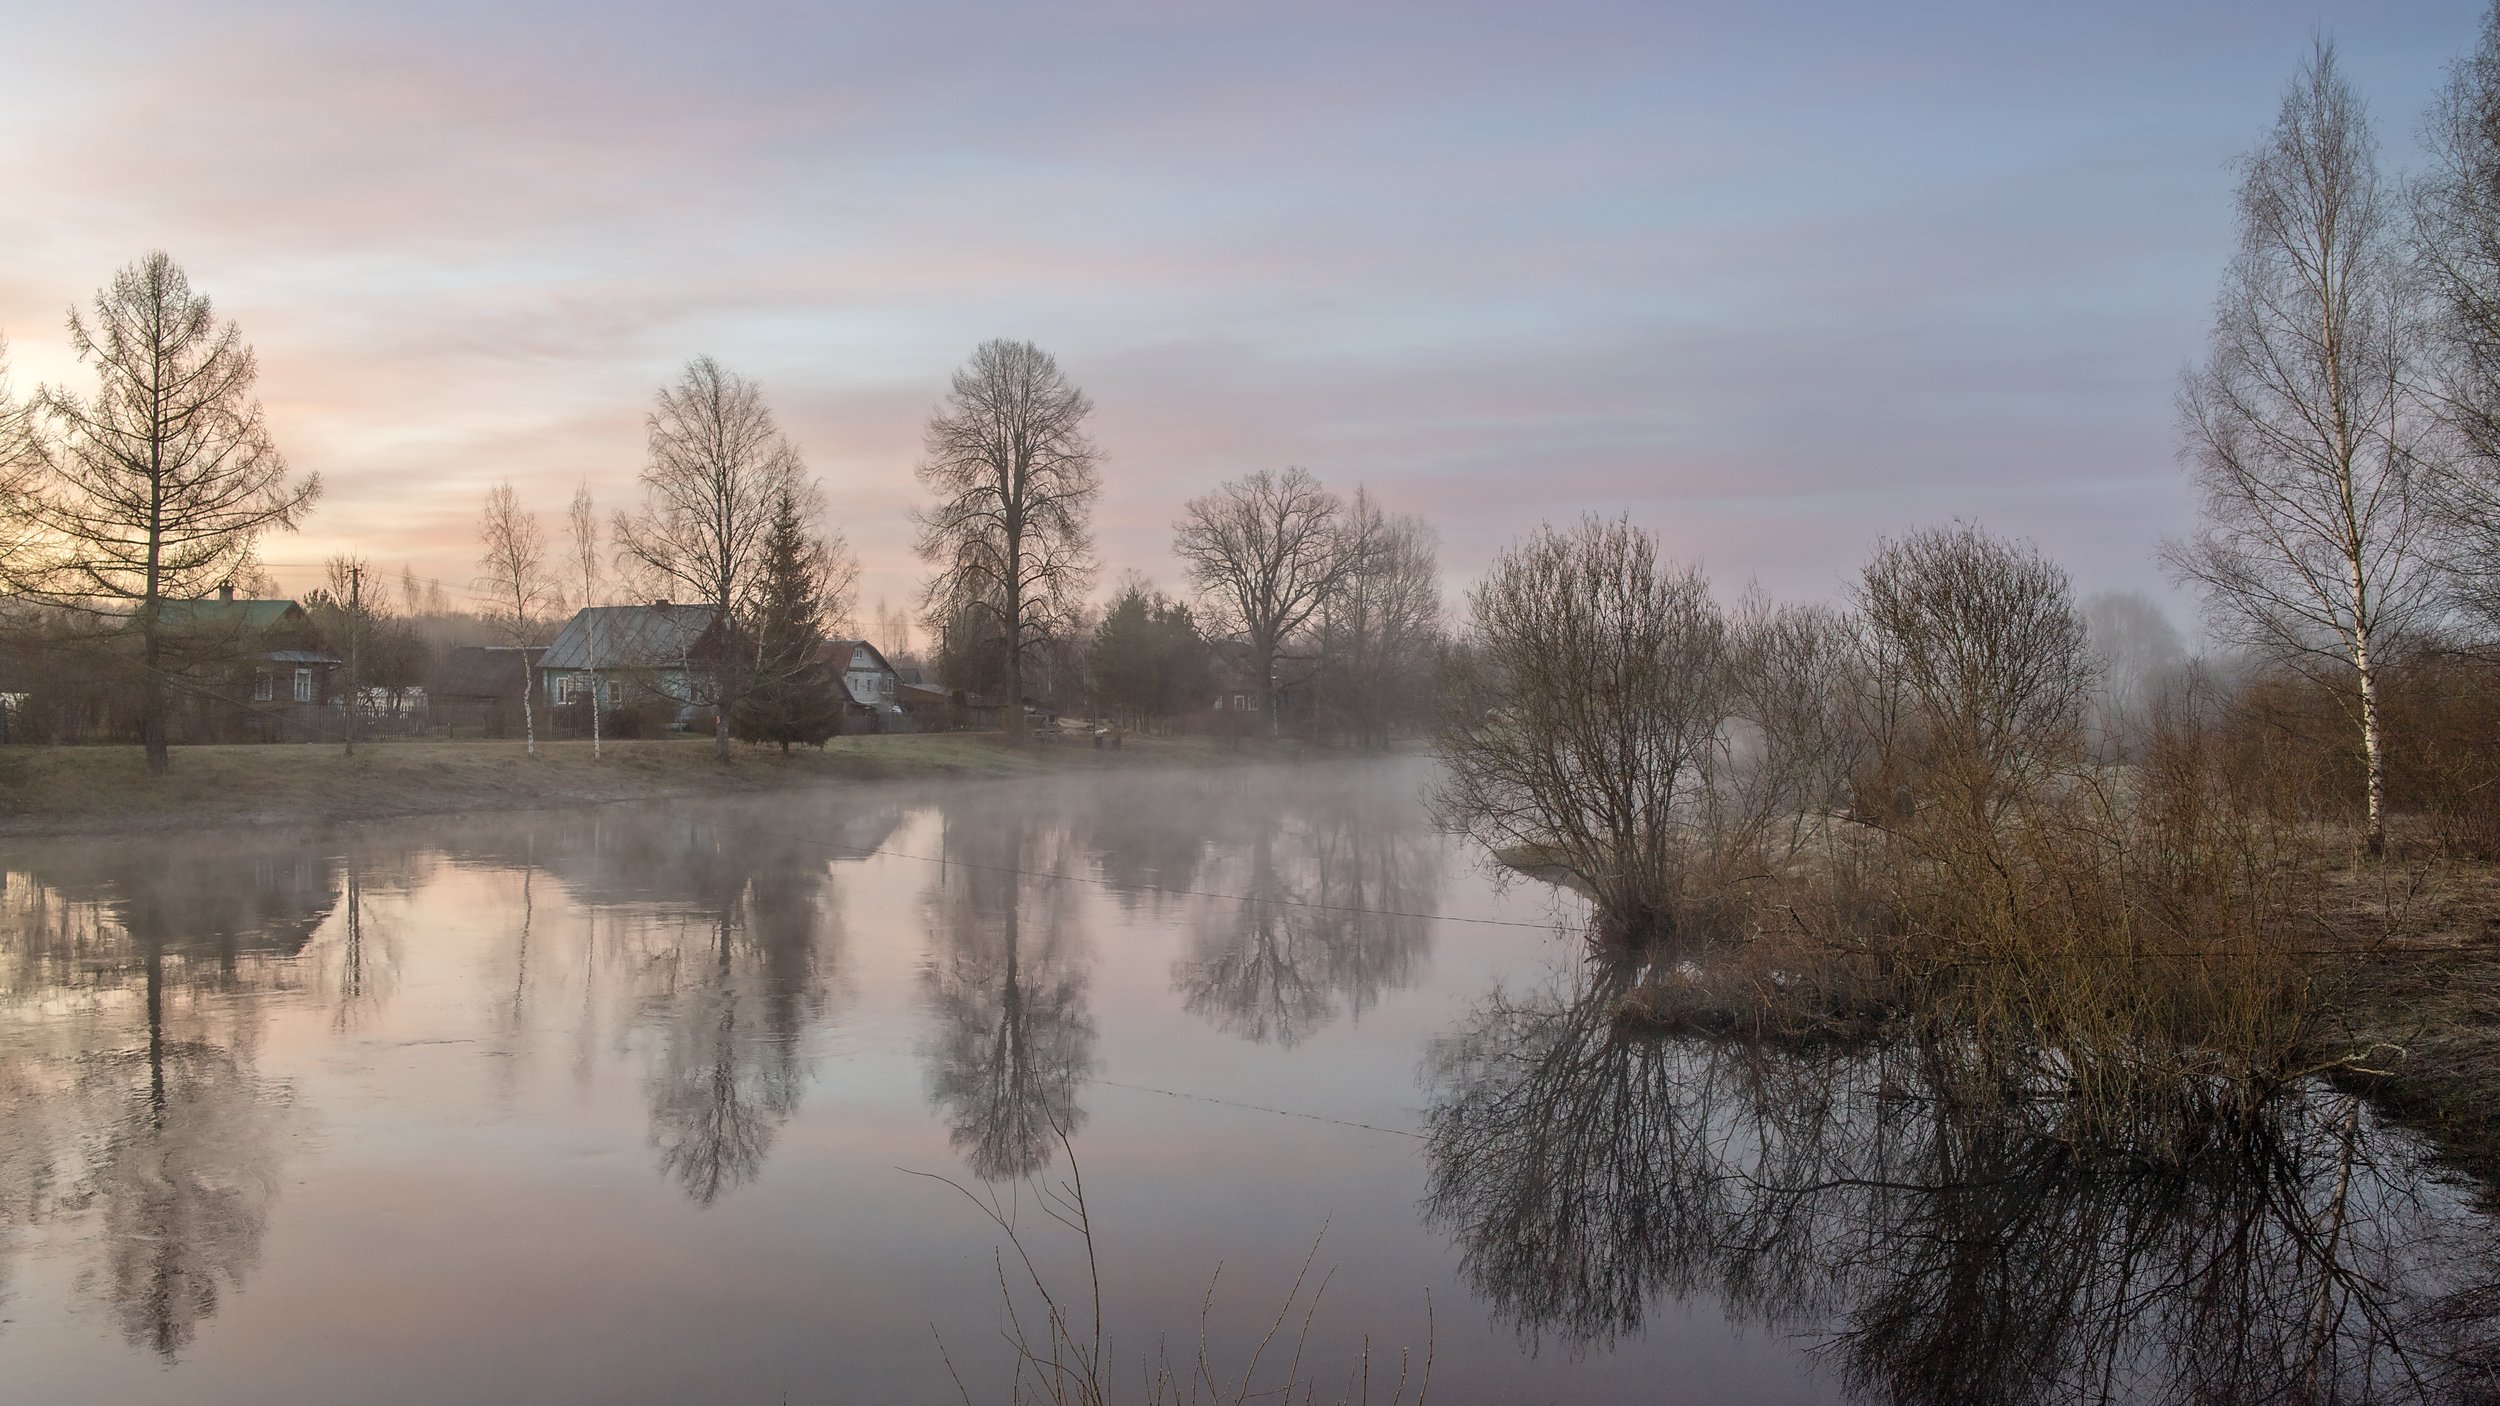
column 1945, row 1255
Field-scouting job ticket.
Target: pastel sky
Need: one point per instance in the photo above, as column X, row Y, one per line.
column 1775, row 279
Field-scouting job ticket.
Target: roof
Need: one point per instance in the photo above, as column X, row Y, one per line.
column 656, row 636
column 225, row 614
column 839, row 654
column 840, row 651
column 299, row 656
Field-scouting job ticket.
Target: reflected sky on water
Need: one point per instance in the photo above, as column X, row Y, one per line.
column 621, row 1105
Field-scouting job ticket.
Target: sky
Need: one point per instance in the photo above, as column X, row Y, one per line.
column 1774, row 280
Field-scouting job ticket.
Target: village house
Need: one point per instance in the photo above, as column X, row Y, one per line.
column 1237, row 700
column 655, row 656
column 264, row 674
column 872, row 687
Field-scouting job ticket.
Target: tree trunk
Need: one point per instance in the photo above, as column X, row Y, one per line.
column 1016, row 727
column 2373, row 753
column 152, row 701
column 1267, row 689
column 529, row 716
column 1013, row 625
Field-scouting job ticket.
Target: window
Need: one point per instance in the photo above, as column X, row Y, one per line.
column 1241, row 702
column 263, row 688
column 303, row 685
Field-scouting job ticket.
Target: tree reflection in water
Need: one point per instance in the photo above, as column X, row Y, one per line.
column 1946, row 1255
column 1325, row 886
column 145, row 1104
column 725, row 957
column 1006, row 979
column 721, row 923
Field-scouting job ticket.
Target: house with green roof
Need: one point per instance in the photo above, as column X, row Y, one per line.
column 259, row 671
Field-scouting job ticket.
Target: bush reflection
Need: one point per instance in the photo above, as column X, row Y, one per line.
column 1945, row 1253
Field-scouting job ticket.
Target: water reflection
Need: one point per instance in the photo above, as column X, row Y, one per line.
column 1589, row 1175
column 1006, row 980
column 723, row 925
column 1325, row 914
column 140, row 1098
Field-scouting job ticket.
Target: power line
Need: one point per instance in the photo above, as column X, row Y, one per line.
column 1260, row 1108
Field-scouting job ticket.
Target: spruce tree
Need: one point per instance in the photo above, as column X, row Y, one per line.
column 792, row 695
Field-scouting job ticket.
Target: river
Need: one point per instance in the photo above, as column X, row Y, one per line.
column 689, row 1101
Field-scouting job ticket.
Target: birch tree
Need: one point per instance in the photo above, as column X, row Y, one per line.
column 519, row 589
column 2300, row 431
column 586, row 547
column 160, row 485
column 1015, row 477
column 715, row 462
column 1264, row 552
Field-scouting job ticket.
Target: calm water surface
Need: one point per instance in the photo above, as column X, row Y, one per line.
column 624, row 1106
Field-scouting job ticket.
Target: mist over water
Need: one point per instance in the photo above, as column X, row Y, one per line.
column 621, row 1105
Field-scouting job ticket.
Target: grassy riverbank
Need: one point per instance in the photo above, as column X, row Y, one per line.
column 106, row 790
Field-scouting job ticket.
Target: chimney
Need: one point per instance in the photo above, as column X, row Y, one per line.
column 226, row 592
column 659, row 605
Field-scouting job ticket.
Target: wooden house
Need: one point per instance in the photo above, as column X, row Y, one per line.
column 260, row 670
column 872, row 689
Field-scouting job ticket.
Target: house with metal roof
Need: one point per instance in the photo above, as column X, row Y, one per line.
column 660, row 653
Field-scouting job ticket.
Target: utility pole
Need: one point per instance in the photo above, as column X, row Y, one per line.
column 355, row 628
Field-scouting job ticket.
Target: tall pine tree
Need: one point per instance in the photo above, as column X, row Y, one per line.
column 792, row 696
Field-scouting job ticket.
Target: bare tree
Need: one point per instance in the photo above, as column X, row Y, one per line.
column 1585, row 714
column 158, row 487
column 520, row 591
column 893, row 627
column 1379, row 631
column 2140, row 654
column 1798, row 674
column 2456, row 245
column 2300, row 430
column 1015, row 476
column 587, row 549
column 716, row 460
column 1265, row 552
column 1981, row 640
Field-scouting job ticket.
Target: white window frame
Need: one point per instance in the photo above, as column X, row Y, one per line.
column 303, row 685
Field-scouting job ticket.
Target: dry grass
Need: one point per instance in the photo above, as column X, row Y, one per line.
column 96, row 790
